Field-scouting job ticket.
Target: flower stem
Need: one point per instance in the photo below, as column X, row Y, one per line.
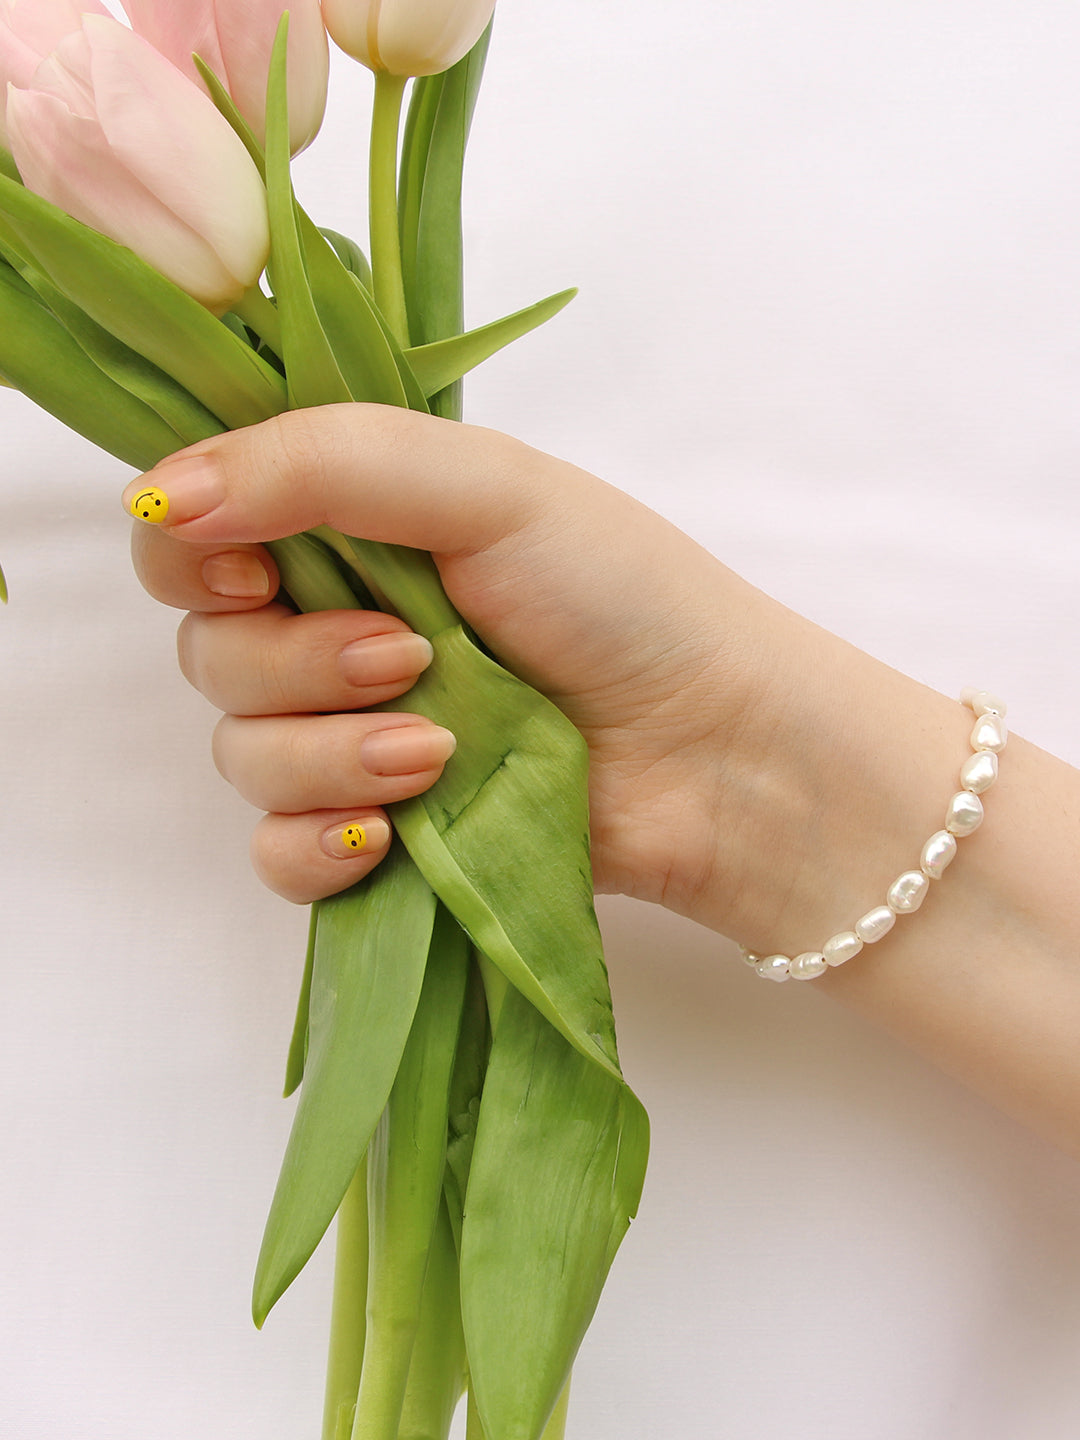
column 257, row 312
column 348, row 1312
column 382, row 201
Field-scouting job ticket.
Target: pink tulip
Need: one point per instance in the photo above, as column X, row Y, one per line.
column 235, row 38
column 112, row 133
column 407, row 37
column 29, row 30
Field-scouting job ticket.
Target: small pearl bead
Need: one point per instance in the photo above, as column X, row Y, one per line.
column 965, row 813
column 750, row 956
column 773, row 967
column 807, row 965
column 908, row 891
column 841, row 947
column 979, row 771
column 990, row 733
column 938, row 852
column 875, row 923
column 981, row 701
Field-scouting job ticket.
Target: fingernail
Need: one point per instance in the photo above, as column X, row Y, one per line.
column 236, row 573
column 344, row 842
column 180, row 489
column 406, row 749
column 382, row 658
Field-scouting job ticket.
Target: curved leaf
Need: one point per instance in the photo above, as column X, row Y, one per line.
column 556, row 1178
column 371, row 947
column 444, row 361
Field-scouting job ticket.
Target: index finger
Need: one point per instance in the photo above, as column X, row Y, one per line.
column 205, row 577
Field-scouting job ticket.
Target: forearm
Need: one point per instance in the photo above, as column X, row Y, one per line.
column 833, row 798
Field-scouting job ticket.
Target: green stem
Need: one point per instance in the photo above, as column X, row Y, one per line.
column 348, row 1312
column 260, row 315
column 383, row 208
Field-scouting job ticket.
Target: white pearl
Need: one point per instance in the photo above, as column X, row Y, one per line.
column 908, row 891
column 979, row 771
column 750, row 956
column 807, row 965
column 965, row 813
column 875, row 923
column 982, row 701
column 990, row 733
column 773, row 967
column 841, row 947
column 938, row 852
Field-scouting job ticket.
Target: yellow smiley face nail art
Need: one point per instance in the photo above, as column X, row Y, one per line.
column 353, row 837
column 150, row 504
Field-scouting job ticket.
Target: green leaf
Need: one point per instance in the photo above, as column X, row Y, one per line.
column 437, row 1374
column 443, row 361
column 39, row 357
column 371, row 948
column 298, row 1043
column 183, row 414
column 350, row 255
column 463, row 1107
column 556, row 1177
column 406, row 1160
column 3, row 587
column 314, row 377
column 132, row 301
column 363, row 350
column 8, row 166
column 436, row 282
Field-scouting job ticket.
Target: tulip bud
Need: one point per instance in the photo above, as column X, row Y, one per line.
column 29, row 30
column 407, row 37
column 112, row 133
column 236, row 41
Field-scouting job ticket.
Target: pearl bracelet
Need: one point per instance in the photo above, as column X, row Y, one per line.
column 908, row 891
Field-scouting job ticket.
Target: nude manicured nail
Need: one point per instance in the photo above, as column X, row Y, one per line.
column 178, row 490
column 345, row 842
column 236, row 573
column 406, row 749
column 382, row 658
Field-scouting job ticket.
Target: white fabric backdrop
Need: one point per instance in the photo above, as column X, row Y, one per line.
column 828, row 323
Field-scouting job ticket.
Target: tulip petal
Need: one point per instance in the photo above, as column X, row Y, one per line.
column 170, row 136
column 425, row 37
column 246, row 29
column 55, row 151
column 179, row 29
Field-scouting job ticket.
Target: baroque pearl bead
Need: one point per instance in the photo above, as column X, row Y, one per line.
column 773, row 967
column 965, row 813
column 807, row 965
column 908, row 891
column 875, row 923
column 750, row 956
column 990, row 733
column 979, row 771
column 981, row 701
column 938, row 852
column 841, row 947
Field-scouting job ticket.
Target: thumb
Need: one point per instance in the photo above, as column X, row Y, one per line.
column 367, row 470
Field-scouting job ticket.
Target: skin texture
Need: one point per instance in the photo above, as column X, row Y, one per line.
column 748, row 769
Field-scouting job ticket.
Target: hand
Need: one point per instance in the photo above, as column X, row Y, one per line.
column 611, row 612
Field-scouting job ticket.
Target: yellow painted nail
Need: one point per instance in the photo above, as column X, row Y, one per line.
column 151, row 505
column 342, row 842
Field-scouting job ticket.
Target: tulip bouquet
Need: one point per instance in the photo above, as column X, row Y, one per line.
column 461, row 1107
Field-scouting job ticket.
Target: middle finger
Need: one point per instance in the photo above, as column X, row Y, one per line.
column 273, row 662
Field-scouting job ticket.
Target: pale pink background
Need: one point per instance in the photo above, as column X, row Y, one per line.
column 830, row 324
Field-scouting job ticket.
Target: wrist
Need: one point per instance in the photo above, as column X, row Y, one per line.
column 838, row 771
